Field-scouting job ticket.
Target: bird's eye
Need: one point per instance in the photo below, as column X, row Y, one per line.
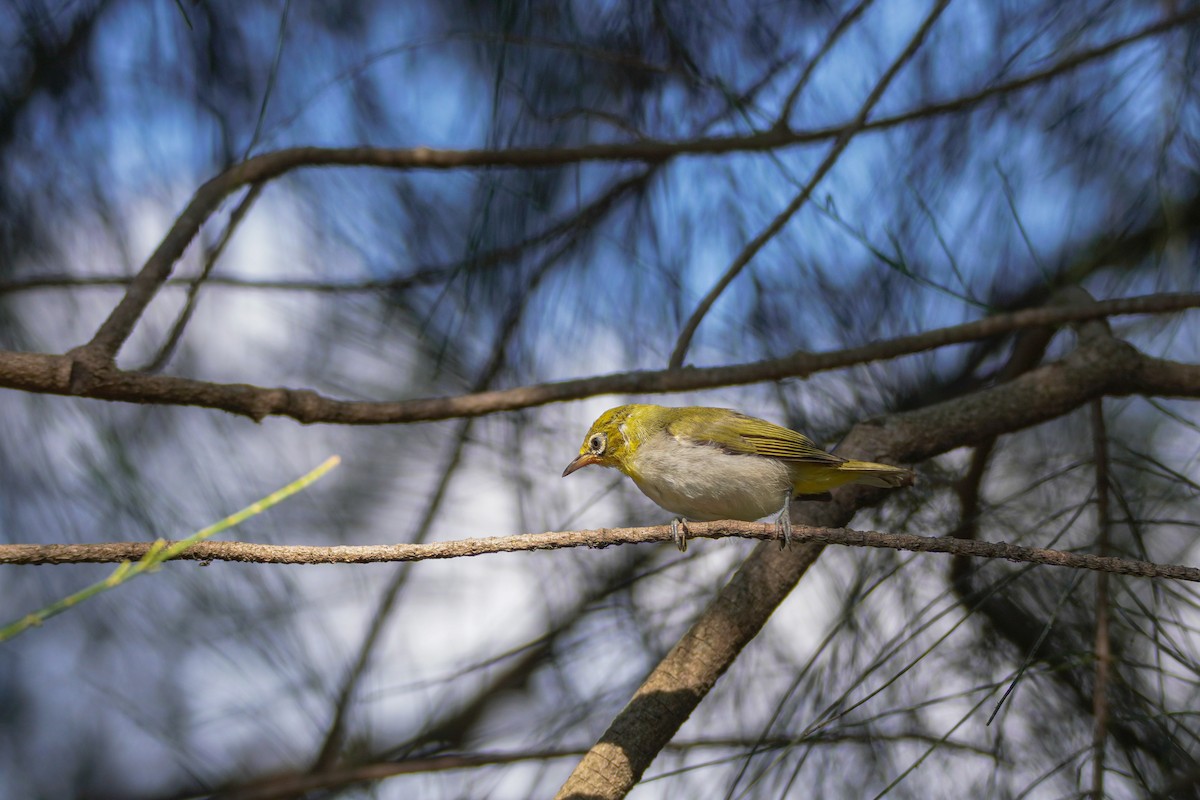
column 596, row 444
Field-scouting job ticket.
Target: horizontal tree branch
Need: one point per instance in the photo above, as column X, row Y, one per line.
column 251, row 552
column 52, row 374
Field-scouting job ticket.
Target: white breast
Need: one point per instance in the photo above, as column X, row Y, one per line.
column 702, row 482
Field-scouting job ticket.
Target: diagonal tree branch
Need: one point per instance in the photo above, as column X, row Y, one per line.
column 210, row 261
column 835, row 35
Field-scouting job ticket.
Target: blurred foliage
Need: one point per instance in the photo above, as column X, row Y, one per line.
column 407, row 284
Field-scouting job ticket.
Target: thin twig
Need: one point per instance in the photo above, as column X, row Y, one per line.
column 756, row 244
column 422, row 275
column 189, row 307
column 840, row 28
column 252, row 552
column 272, row 76
column 335, row 733
column 292, row 784
column 1113, row 250
column 1103, row 649
column 153, row 554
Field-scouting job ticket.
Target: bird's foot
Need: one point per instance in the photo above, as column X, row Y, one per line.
column 679, row 532
column 783, row 524
column 783, row 529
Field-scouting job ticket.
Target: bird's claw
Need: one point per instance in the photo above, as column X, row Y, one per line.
column 679, row 533
column 783, row 524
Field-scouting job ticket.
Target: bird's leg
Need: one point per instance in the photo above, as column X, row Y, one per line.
column 679, row 533
column 783, row 523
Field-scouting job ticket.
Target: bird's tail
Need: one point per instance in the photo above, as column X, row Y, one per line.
column 881, row 475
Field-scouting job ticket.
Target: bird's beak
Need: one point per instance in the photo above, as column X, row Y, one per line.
column 583, row 460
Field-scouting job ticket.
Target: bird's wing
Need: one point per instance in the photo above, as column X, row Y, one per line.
column 740, row 434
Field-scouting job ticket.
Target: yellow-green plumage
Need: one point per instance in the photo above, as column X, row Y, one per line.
column 715, row 463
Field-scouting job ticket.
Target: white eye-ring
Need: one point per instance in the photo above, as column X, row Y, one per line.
column 597, row 442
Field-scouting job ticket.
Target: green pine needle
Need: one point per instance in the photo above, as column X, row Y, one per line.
column 160, row 552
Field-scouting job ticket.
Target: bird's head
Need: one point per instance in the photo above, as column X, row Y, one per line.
column 615, row 436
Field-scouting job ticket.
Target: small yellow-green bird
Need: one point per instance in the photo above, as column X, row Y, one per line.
column 715, row 463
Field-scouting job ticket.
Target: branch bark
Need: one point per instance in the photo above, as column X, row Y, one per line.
column 53, row 374
column 251, row 552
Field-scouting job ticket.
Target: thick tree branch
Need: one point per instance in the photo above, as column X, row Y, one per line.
column 688, row 672
column 50, row 374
